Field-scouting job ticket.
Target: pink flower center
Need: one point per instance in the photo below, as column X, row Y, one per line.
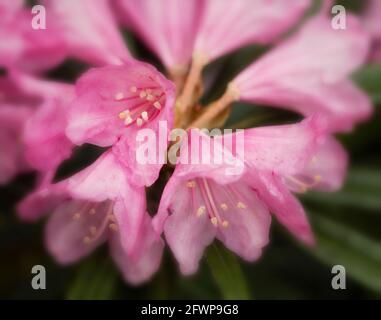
column 217, row 201
column 144, row 104
column 99, row 217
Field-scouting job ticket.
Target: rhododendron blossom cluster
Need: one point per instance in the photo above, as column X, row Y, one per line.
column 306, row 70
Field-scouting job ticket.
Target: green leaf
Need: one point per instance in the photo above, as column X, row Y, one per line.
column 227, row 273
column 369, row 79
column 96, row 279
column 340, row 244
column 362, row 190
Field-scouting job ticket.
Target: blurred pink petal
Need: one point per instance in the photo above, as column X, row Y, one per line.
column 228, row 25
column 140, row 268
column 26, row 48
column 315, row 77
column 117, row 100
column 328, row 168
column 105, row 180
column 44, row 133
column 283, row 149
column 168, row 27
column 89, row 30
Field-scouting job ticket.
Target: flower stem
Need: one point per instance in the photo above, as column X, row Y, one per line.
column 215, row 108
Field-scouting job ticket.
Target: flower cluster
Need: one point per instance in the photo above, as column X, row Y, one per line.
column 306, row 70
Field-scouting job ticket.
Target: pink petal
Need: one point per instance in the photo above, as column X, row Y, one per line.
column 89, row 30
column 202, row 156
column 142, row 266
column 248, row 220
column 168, row 29
column 228, row 26
column 106, row 180
column 42, row 201
column 319, row 59
column 284, row 205
column 329, row 165
column 140, row 174
column 44, row 135
column 186, row 234
column 283, row 149
column 65, row 233
column 26, row 48
column 104, row 94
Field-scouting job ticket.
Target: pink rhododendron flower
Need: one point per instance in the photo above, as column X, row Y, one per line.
column 307, row 71
column 201, row 202
column 315, row 77
column 22, row 46
column 113, row 103
column 93, row 206
column 88, row 29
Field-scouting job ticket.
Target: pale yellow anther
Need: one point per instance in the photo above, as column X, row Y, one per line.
column 191, row 184
column 133, row 89
column 225, row 223
column 224, row 206
column 139, row 122
column 93, row 230
column 200, row 211
column 119, row 96
column 150, row 97
column 86, row 240
column 144, row 115
column 142, row 94
column 122, row 115
column 76, row 216
column 214, row 221
column 111, row 218
column 92, row 211
column 113, row 227
column 241, row 205
column 128, row 121
column 157, row 105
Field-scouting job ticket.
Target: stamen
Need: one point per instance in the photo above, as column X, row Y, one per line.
column 200, row 211
column 224, row 206
column 86, row 240
column 157, row 105
column 128, row 121
column 142, row 94
column 122, row 115
column 191, row 184
column 225, row 223
column 113, row 227
column 214, row 221
column 241, row 205
column 76, row 216
column 139, row 122
column 150, row 97
column 145, row 115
